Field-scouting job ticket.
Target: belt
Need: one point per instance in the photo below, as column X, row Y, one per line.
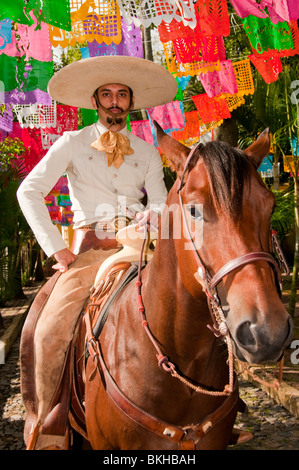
column 113, row 225
column 84, row 240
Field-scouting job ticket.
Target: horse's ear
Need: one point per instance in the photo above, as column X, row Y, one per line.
column 175, row 152
column 260, row 148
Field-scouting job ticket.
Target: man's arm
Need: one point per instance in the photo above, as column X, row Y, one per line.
column 156, row 192
column 154, row 182
column 35, row 187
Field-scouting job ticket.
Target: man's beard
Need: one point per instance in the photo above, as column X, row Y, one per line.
column 115, row 120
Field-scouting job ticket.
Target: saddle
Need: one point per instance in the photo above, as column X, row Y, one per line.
column 115, row 272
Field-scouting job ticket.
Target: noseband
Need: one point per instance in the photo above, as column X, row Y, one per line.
column 208, row 282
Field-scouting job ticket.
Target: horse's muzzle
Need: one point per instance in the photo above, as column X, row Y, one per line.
column 256, row 343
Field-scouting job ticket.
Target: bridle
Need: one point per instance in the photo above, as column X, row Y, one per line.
column 209, row 283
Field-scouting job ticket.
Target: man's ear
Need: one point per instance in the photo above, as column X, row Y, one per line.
column 93, row 102
column 175, row 152
column 133, row 102
column 260, row 148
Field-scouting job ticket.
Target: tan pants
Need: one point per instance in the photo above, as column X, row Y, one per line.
column 56, row 324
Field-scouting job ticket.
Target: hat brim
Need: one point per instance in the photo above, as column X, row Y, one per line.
column 75, row 83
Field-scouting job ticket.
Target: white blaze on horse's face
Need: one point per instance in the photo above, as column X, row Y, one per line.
column 235, row 219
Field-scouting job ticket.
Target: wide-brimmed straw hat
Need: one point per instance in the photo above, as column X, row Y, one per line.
column 75, row 83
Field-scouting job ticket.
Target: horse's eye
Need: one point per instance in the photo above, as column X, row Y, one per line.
column 195, row 212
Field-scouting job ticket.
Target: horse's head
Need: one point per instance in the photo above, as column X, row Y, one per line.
column 223, row 197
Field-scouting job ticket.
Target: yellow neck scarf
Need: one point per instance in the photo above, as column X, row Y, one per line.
column 116, row 145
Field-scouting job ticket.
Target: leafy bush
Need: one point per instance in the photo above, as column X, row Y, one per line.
column 283, row 217
column 12, row 227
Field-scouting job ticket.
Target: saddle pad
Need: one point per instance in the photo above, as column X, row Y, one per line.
column 128, row 276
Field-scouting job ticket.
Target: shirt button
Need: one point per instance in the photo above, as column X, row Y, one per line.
column 90, row 158
column 136, row 164
column 115, row 175
column 115, row 191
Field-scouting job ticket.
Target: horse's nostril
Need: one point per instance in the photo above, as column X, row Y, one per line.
column 244, row 335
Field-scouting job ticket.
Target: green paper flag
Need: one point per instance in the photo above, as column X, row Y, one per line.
column 264, row 35
column 53, row 12
column 26, row 76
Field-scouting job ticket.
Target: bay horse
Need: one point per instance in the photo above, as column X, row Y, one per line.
column 158, row 378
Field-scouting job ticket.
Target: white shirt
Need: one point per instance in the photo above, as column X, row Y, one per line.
column 96, row 190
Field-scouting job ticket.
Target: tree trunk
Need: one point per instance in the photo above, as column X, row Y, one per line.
column 38, row 272
column 148, row 54
column 14, row 282
column 227, row 132
column 147, row 43
column 275, row 175
column 293, row 296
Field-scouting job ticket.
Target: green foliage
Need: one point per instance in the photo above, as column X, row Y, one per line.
column 68, row 55
column 169, row 177
column 193, row 88
column 10, row 149
column 283, row 217
column 13, row 228
column 271, row 106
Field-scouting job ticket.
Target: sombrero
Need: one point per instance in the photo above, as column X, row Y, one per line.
column 75, row 83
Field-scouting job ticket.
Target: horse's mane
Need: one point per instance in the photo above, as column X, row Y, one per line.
column 228, row 168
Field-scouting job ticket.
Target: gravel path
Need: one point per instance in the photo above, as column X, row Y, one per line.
column 274, row 428
column 12, row 413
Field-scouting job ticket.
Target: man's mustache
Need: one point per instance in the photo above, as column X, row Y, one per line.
column 115, row 118
column 116, row 107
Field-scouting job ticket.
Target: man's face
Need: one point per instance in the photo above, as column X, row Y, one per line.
column 116, row 99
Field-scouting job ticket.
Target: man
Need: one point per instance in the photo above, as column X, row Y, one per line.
column 107, row 168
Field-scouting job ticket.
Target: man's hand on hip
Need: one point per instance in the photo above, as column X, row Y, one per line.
column 64, row 258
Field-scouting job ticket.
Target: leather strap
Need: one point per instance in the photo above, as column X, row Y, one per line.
column 128, row 276
column 176, row 434
column 241, row 261
column 84, row 240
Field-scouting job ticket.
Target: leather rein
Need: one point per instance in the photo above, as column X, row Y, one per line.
column 182, row 435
